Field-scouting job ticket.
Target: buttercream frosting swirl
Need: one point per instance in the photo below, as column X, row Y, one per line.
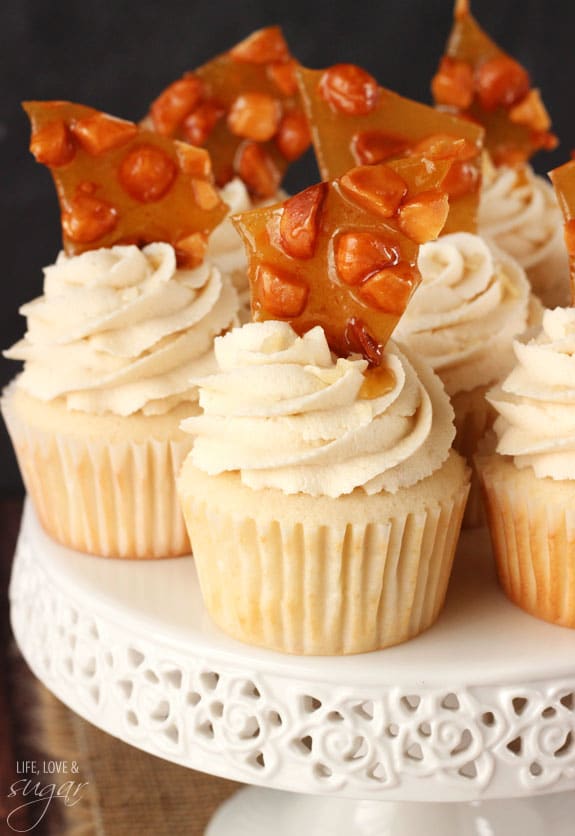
column 518, row 210
column 536, row 402
column 472, row 301
column 286, row 414
column 122, row 330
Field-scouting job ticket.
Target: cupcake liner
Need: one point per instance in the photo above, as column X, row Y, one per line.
column 474, row 417
column 109, row 499
column 300, row 586
column 532, row 527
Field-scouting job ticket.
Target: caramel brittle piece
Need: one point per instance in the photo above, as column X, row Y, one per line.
column 477, row 79
column 343, row 254
column 354, row 121
column 120, row 184
column 244, row 108
column 563, row 179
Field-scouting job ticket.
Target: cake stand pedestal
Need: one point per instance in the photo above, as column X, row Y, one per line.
column 478, row 712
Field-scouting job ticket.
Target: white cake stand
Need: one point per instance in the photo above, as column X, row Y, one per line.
column 478, row 709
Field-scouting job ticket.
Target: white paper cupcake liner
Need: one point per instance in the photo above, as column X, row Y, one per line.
column 532, row 527
column 109, row 499
column 308, row 588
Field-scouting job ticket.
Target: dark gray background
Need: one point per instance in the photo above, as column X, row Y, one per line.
column 117, row 56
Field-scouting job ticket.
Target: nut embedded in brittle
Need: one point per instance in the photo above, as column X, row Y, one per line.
column 477, row 79
column 358, row 254
column 100, row 133
column 242, row 106
column 357, row 122
column 53, row 144
column 423, row 217
column 374, row 146
column 255, row 116
column 501, row 82
column 343, row 254
column 378, row 188
column 87, row 218
column 173, row 105
column 299, row 224
column 453, row 84
column 120, row 184
column 349, row 89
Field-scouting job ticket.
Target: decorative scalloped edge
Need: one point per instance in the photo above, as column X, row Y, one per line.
column 263, row 728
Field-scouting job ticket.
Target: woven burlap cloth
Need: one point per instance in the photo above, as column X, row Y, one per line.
column 128, row 792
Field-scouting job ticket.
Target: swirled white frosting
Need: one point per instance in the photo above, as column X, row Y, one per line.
column 518, row 210
column 287, row 415
column 122, row 330
column 225, row 248
column 536, row 402
column 471, row 302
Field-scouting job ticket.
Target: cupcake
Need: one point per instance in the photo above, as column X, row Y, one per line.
column 479, row 80
column 118, row 333
column 355, row 121
column 243, row 107
column 322, row 498
column 321, row 493
column 529, row 479
column 472, row 302
column 519, row 212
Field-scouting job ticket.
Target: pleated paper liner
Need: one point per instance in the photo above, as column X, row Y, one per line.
column 314, row 575
column 105, row 496
column 532, row 527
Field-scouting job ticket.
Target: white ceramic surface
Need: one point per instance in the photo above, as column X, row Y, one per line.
column 482, row 706
column 261, row 812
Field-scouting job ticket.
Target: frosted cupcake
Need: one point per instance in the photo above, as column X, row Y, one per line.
column 529, row 481
column 94, row 416
column 479, row 80
column 519, row 212
column 244, row 108
column 323, row 499
column 321, row 492
column 472, row 302
column 128, row 315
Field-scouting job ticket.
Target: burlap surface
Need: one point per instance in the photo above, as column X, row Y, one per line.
column 128, row 793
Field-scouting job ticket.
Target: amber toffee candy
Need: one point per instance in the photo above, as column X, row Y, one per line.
column 476, row 78
column 563, row 179
column 120, row 184
column 354, row 121
column 244, row 107
column 343, row 254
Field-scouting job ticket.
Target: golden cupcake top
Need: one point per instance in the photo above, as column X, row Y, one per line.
column 563, row 179
column 243, row 106
column 343, row 254
column 118, row 183
column 479, row 80
column 354, row 121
